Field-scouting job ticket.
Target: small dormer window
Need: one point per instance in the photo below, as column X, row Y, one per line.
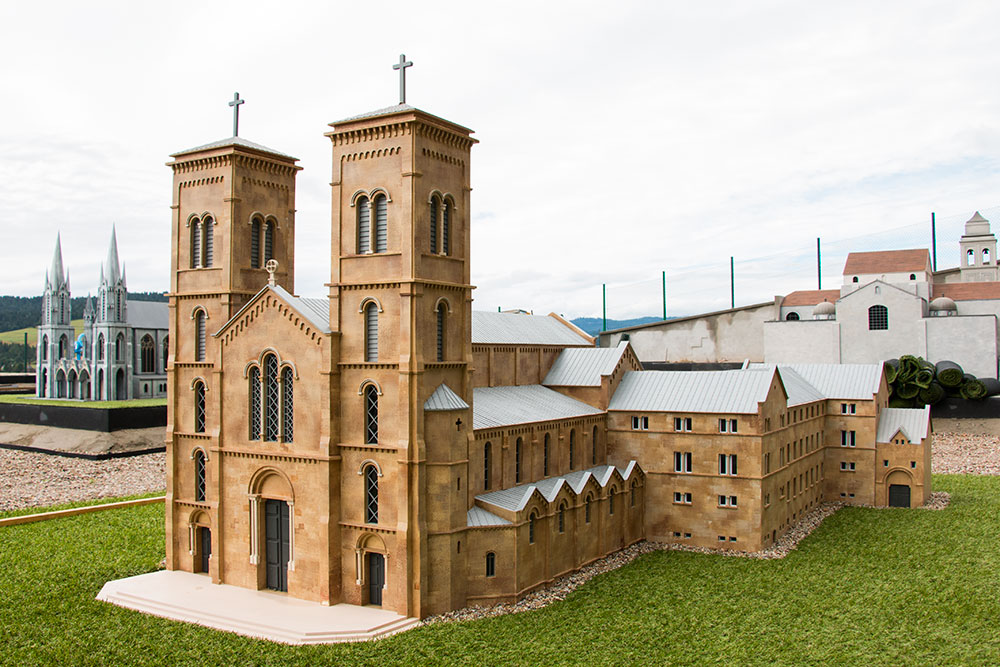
column 854, row 279
column 913, row 276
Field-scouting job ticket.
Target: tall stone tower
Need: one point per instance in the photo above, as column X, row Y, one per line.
column 55, row 334
column 111, row 339
column 979, row 251
column 233, row 209
column 401, row 299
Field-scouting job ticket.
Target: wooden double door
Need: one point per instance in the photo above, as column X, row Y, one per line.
column 376, row 577
column 276, row 543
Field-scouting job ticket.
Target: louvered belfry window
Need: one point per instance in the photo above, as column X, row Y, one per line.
column 199, row 476
column 487, row 455
column 199, row 326
column 364, row 226
column 254, row 403
column 195, row 243
column 434, row 225
column 208, row 227
column 572, row 447
column 270, row 398
column 371, row 415
column 545, row 457
column 371, row 332
column 440, row 331
column 371, row 494
column 268, row 241
column 381, row 224
column 287, row 405
column 199, row 407
column 255, row 243
column 446, row 228
column 517, row 461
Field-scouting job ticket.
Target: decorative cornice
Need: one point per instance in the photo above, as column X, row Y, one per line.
column 442, row 157
column 367, row 155
column 200, row 181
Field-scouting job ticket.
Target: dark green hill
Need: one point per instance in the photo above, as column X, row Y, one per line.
column 593, row 325
column 18, row 312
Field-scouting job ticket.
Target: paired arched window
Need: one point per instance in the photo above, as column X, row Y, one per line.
column 517, row 461
column 256, row 225
column 442, row 312
column 100, row 347
column 572, row 448
column 202, row 242
column 371, row 331
column 377, row 239
column 120, row 347
column 487, row 455
column 270, row 401
column 45, row 348
column 878, row 318
column 792, row 317
column 441, row 213
column 371, row 415
column 199, row 476
column 371, row 494
column 199, row 335
column 435, row 207
column 545, row 456
column 531, row 528
column 199, row 407
column 148, row 350
column 491, row 564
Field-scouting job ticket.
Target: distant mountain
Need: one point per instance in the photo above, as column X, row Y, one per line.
column 594, row 325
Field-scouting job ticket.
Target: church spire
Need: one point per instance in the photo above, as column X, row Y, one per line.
column 56, row 278
column 112, row 265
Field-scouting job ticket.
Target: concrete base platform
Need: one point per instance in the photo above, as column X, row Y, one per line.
column 193, row 598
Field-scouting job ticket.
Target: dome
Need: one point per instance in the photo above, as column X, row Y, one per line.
column 942, row 303
column 825, row 308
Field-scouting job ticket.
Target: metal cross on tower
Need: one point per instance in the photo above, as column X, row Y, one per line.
column 401, row 66
column 235, row 104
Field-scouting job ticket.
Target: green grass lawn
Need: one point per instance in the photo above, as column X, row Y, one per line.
column 17, row 335
column 29, row 399
column 869, row 587
column 77, row 503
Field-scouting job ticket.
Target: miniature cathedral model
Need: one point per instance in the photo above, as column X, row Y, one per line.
column 386, row 445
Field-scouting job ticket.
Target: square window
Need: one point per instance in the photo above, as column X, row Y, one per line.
column 722, row 425
column 732, row 426
column 843, row 495
column 722, row 501
column 687, row 536
column 852, row 495
column 722, row 538
column 676, row 534
column 913, row 464
column 885, row 463
column 677, row 496
column 732, row 539
column 687, row 498
column 732, row 501
column 678, row 424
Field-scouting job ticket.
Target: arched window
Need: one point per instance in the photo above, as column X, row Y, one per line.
column 253, row 400
column 199, row 336
column 120, row 347
column 446, row 228
column 970, row 257
column 199, row 407
column 60, row 384
column 371, row 331
column 632, row 500
column 441, row 312
column 593, row 448
column 562, row 518
column 792, row 317
column 854, row 279
column 195, row 243
column 199, row 476
column 986, row 256
column 364, row 226
column 45, row 348
column 148, row 351
column 287, row 405
column 166, row 348
column 270, row 398
column 434, row 225
column 371, row 415
column 572, row 448
column 100, row 384
column 71, row 384
column 371, row 494
column 45, row 381
column 208, row 228
column 487, row 455
column 517, row 461
column 255, row 227
column 100, row 347
column 913, row 276
column 381, row 224
column 63, row 346
column 545, row 457
column 268, row 241
column 491, row 564
column 878, row 318
column 531, row 528
column 586, row 509
column 611, row 500
column 85, row 386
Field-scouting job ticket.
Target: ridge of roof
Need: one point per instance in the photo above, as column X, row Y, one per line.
column 731, row 392
column 515, row 498
column 234, row 141
column 444, row 399
column 585, row 366
column 493, row 407
column 887, row 261
column 810, row 297
column 489, row 328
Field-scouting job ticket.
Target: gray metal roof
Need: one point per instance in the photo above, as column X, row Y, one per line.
column 444, row 399
column 317, row 311
column 477, row 516
column 914, row 423
column 733, row 392
column 799, row 391
column 506, row 406
column 839, row 381
column 517, row 329
column 584, row 366
column 148, row 314
column 385, row 111
column 516, row 498
column 234, row 141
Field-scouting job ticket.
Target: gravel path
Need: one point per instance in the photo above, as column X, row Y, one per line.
column 29, row 479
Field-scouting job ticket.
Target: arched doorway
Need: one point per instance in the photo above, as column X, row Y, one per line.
column 277, row 544
column 85, row 385
column 898, row 487
column 60, row 384
column 100, row 384
column 120, row 385
column 372, row 562
column 272, row 500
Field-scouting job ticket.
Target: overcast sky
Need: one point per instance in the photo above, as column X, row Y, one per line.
column 618, row 140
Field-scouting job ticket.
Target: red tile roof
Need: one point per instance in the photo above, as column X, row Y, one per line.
column 811, row 297
column 968, row 291
column 887, row 261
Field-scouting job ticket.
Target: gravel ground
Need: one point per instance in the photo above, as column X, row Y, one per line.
column 965, row 454
column 29, row 479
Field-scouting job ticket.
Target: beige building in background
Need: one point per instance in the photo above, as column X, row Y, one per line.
column 387, row 445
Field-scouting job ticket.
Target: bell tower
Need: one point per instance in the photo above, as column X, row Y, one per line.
column 401, row 298
column 979, row 251
column 233, row 209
